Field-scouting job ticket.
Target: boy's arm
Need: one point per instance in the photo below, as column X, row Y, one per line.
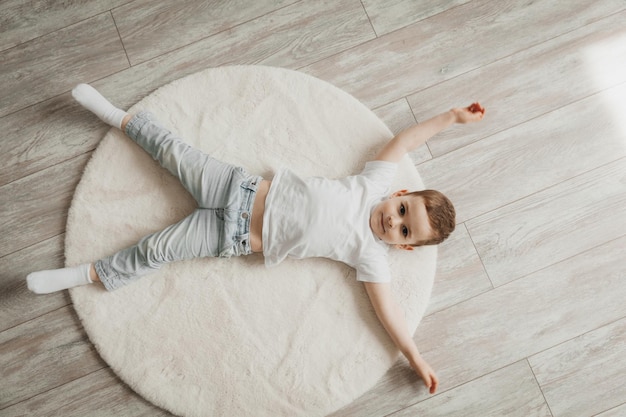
column 392, row 319
column 416, row 135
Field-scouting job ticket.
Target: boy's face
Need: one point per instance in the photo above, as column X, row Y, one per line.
column 401, row 220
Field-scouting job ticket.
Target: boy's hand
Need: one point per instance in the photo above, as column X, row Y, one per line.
column 472, row 113
column 426, row 373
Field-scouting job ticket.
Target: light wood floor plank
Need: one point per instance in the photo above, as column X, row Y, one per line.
column 50, row 65
column 43, row 354
column 98, row 394
column 506, row 325
column 526, row 316
column 23, row 21
column 387, row 16
column 150, row 28
column 35, row 207
column 511, row 391
column 290, row 37
column 619, row 411
column 533, row 156
column 460, row 272
column 539, row 56
column 552, row 225
column 17, row 304
column 526, row 85
column 585, row 375
column 58, row 129
column 48, row 133
column 482, row 31
column 398, row 116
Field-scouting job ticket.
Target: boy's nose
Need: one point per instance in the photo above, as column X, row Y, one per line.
column 391, row 221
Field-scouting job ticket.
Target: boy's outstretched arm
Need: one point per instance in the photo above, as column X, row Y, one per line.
column 392, row 319
column 416, row 135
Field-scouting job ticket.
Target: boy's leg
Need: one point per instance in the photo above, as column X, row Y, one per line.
column 204, row 177
column 198, row 235
column 93, row 101
column 207, row 179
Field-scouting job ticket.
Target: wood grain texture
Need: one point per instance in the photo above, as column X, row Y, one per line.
column 391, row 66
column 42, row 354
column 45, row 134
column 22, row 21
column 506, row 325
column 526, row 316
column 17, row 304
column 585, row 375
column 51, row 65
column 526, row 85
column 536, row 155
column 398, row 116
column 389, row 15
column 553, row 224
column 460, row 273
column 100, row 393
column 289, row 37
column 150, row 28
column 35, row 207
column 539, row 67
column 510, row 391
column 618, row 411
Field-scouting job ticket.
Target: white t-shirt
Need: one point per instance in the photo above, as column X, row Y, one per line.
column 320, row 217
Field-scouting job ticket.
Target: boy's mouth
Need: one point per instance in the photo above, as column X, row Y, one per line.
column 382, row 222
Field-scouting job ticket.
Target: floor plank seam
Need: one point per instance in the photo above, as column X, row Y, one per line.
column 119, row 35
column 487, row 64
column 171, row 51
column 36, row 317
column 526, row 275
column 561, row 261
column 368, row 18
column 33, row 244
column 39, row 171
column 52, row 389
column 482, row 263
column 516, row 125
column 539, row 386
column 457, row 303
column 613, row 408
column 589, row 18
column 415, row 22
column 556, row 184
column 579, row 335
column 54, row 31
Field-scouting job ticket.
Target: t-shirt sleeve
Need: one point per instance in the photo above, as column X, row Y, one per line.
column 375, row 270
column 380, row 173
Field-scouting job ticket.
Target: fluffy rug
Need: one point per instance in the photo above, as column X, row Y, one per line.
column 230, row 337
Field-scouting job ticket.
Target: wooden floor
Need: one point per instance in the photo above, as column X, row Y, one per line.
column 528, row 314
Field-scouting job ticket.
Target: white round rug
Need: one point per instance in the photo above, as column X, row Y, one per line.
column 217, row 337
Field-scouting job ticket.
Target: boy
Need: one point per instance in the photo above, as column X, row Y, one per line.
column 351, row 219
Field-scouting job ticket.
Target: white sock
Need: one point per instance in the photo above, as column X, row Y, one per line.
column 45, row 282
column 95, row 102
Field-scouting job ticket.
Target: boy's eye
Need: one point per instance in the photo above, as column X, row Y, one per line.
column 405, row 231
column 402, row 210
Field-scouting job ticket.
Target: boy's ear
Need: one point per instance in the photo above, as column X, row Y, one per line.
column 405, row 247
column 399, row 193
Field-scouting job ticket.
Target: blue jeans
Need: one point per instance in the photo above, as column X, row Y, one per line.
column 220, row 226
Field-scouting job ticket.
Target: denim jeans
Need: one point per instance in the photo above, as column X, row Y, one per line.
column 220, row 226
